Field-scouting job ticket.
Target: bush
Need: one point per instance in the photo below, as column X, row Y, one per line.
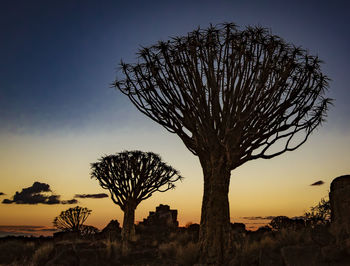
column 319, row 214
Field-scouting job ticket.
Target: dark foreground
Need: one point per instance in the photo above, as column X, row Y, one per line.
column 288, row 246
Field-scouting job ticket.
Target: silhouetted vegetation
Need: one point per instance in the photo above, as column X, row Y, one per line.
column 159, row 241
column 231, row 96
column 72, row 220
column 319, row 214
column 131, row 177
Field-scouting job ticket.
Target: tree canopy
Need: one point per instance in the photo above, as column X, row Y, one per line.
column 245, row 90
column 72, row 219
column 134, row 175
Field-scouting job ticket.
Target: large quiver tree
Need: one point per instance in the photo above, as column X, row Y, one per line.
column 231, row 96
column 131, row 177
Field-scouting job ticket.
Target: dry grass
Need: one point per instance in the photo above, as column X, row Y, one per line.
column 167, row 250
column 42, row 253
column 183, row 254
column 113, row 249
column 15, row 251
column 188, row 254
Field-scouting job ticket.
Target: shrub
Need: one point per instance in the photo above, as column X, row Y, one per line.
column 319, row 214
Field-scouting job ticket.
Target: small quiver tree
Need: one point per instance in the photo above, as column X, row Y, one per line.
column 72, row 220
column 131, row 177
column 231, row 96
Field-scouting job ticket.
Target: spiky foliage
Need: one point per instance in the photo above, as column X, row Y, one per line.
column 232, row 96
column 72, row 219
column 133, row 175
column 248, row 89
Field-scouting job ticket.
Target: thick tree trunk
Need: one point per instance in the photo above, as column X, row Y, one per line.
column 128, row 231
column 215, row 218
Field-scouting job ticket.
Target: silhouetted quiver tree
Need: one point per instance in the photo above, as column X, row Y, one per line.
column 131, row 177
column 72, row 220
column 231, row 96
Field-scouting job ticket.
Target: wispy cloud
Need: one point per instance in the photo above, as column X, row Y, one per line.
column 72, row 201
column 252, row 218
column 318, row 183
column 91, row 196
column 25, row 230
column 37, row 193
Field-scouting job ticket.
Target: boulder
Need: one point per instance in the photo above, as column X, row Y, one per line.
column 159, row 224
column 238, row 227
column 340, row 206
column 162, row 217
column 112, row 230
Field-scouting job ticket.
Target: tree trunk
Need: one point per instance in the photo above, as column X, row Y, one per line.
column 128, row 231
column 215, row 218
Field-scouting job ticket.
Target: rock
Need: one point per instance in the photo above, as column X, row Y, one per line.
column 301, row 255
column 159, row 224
column 340, row 207
column 162, row 217
column 112, row 230
column 238, row 227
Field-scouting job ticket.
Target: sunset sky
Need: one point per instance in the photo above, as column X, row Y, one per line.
column 58, row 112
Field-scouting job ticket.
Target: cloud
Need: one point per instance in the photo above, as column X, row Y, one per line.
column 25, row 230
column 72, row 201
column 91, row 196
column 318, row 183
column 258, row 217
column 36, row 194
column 1, row 193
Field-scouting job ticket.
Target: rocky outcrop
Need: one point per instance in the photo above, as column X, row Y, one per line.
column 112, row 230
column 238, row 227
column 162, row 217
column 159, row 224
column 340, row 206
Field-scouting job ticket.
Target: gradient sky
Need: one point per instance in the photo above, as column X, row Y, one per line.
column 58, row 113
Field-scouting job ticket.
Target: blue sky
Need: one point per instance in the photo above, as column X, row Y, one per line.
column 59, row 57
